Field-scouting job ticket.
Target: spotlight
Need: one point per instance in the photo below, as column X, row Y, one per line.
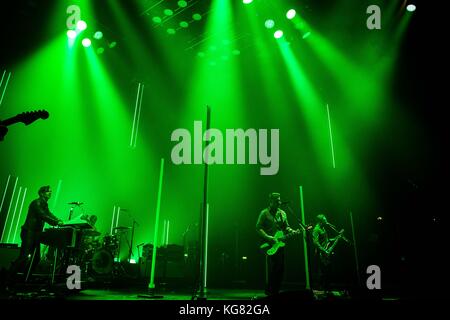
column 100, row 50
column 171, row 31
column 98, row 35
column 269, row 24
column 112, row 44
column 291, row 14
column 411, row 7
column 86, row 42
column 197, row 16
column 81, row 25
column 278, row 34
column 182, row 4
column 71, row 34
column 247, row 1
column 184, row 24
column 306, row 35
column 157, row 19
column 168, row 12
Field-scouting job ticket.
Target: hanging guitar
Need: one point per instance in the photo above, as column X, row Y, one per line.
column 24, row 117
column 280, row 238
column 325, row 256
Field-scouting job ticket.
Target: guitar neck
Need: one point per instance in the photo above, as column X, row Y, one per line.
column 9, row 121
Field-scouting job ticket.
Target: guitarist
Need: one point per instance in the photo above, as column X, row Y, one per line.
column 321, row 244
column 271, row 220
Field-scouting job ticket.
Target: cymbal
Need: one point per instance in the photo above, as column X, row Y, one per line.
column 91, row 233
column 122, row 228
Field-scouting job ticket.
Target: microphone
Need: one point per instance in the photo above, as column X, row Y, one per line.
column 76, row 203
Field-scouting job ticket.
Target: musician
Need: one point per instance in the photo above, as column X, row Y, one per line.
column 321, row 243
column 271, row 220
column 38, row 215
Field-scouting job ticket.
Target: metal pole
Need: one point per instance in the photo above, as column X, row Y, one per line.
column 355, row 249
column 204, row 216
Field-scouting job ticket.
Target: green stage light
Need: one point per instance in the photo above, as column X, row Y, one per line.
column 411, row 8
column 171, row 31
column 168, row 12
column 156, row 19
column 197, row 16
column 278, row 34
column 98, row 35
column 306, row 35
column 182, row 4
column 71, row 34
column 269, row 24
column 112, row 44
column 100, row 50
column 86, row 42
column 184, row 24
column 247, row 1
column 81, row 25
column 291, row 14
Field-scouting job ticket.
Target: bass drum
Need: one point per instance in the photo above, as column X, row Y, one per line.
column 102, row 262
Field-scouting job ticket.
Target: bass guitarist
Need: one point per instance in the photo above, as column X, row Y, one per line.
column 271, row 220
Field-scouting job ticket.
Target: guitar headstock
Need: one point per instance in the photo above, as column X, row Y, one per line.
column 31, row 116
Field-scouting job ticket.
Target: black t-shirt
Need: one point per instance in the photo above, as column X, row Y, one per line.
column 38, row 214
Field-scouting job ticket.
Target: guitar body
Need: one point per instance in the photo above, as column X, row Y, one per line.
column 325, row 257
column 271, row 249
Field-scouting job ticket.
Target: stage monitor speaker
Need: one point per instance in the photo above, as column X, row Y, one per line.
column 8, row 253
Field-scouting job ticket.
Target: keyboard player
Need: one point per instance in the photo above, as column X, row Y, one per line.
column 38, row 215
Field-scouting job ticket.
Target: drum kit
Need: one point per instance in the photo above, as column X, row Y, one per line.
column 100, row 251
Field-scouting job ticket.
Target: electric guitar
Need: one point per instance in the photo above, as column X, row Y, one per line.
column 24, row 117
column 325, row 256
column 280, row 237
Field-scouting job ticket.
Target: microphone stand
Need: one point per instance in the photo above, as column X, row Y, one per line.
column 130, row 253
column 336, row 230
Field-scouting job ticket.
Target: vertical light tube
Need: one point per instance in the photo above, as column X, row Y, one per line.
column 4, row 89
column 112, row 221
column 4, row 193
column 136, row 106
column 9, row 209
column 167, row 233
column 118, row 214
column 163, row 237
column 58, row 189
column 138, row 116
column 151, row 284
column 331, row 137
column 14, row 215
column 20, row 214
column 305, row 245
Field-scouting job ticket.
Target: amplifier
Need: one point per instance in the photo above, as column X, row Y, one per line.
column 7, row 255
